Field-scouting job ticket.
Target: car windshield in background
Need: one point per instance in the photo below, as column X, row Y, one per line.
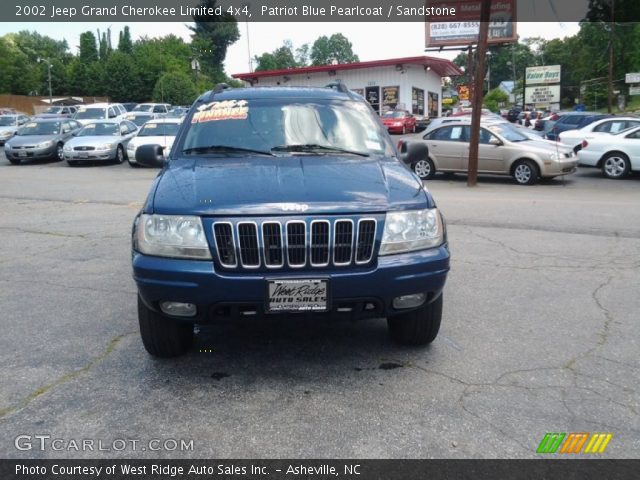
column 99, row 130
column 91, row 113
column 159, row 130
column 508, row 132
column 393, row 115
column 44, row 128
column 317, row 127
column 53, row 110
column 140, row 120
column 7, row 121
column 143, row 108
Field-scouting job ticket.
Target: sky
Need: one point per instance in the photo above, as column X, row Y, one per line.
column 371, row 41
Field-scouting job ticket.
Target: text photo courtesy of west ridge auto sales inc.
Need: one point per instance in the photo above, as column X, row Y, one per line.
column 361, row 240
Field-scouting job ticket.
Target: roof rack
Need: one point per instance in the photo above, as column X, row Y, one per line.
column 339, row 86
column 220, row 87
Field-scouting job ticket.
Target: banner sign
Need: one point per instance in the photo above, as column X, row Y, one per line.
column 463, row 28
column 632, row 78
column 544, row 94
column 542, row 75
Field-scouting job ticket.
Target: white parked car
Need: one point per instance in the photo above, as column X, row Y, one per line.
column 607, row 126
column 616, row 155
column 99, row 111
column 159, row 131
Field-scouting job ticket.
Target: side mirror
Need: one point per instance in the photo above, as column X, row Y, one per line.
column 495, row 141
column 412, row 152
column 151, row 156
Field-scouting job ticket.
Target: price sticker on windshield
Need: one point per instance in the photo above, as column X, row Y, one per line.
column 222, row 110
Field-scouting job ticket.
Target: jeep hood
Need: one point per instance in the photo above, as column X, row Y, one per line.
column 286, row 185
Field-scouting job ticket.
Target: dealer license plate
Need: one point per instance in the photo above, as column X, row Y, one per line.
column 299, row 295
column 22, row 154
column 83, row 155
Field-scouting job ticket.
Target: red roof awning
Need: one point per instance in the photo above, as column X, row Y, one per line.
column 442, row 67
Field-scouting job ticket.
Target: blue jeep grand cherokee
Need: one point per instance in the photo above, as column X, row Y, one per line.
column 286, row 201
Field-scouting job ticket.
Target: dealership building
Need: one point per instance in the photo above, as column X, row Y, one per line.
column 409, row 83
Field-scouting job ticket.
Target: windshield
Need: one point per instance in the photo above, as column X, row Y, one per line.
column 393, row 115
column 53, row 110
column 44, row 128
column 264, row 124
column 143, row 108
column 140, row 120
column 159, row 130
column 508, row 132
column 91, row 113
column 100, row 130
column 7, row 121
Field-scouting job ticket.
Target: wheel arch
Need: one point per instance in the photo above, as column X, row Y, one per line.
column 610, row 152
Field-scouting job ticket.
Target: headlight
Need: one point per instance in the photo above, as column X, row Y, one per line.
column 67, row 148
column 553, row 156
column 171, row 236
column 44, row 144
column 6, row 133
column 7, row 146
column 106, row 146
column 131, row 147
column 412, row 230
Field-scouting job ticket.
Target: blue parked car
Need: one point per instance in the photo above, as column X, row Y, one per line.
column 573, row 121
column 286, row 201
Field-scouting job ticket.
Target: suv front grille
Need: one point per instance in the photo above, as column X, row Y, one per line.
column 295, row 243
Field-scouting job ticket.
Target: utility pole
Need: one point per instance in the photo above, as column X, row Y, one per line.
column 48, row 76
column 612, row 24
column 478, row 77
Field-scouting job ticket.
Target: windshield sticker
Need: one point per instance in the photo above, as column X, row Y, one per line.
column 372, row 145
column 224, row 110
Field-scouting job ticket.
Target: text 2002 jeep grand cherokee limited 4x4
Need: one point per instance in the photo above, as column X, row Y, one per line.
column 286, row 201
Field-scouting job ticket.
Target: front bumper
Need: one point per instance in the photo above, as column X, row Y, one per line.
column 563, row 167
column 31, row 153
column 90, row 155
column 354, row 291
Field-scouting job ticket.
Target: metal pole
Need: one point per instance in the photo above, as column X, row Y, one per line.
column 611, row 31
column 485, row 12
column 50, row 94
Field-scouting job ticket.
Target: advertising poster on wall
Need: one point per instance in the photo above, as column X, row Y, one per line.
column 390, row 97
column 372, row 94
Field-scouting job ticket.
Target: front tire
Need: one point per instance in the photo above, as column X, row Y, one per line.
column 163, row 336
column 424, row 169
column 60, row 152
column 120, row 154
column 616, row 166
column 525, row 172
column 418, row 327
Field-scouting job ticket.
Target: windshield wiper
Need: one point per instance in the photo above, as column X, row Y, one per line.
column 314, row 148
column 224, row 148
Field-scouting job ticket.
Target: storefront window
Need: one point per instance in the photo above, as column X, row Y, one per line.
column 433, row 104
column 417, row 101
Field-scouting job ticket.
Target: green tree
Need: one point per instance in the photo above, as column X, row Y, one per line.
column 334, row 49
column 494, row 98
column 88, row 48
column 125, row 45
column 212, row 36
column 176, row 88
column 122, row 77
column 282, row 57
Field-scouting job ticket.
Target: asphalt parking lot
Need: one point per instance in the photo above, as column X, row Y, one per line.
column 540, row 334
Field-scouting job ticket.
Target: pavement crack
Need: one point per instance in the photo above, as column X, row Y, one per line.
column 111, row 346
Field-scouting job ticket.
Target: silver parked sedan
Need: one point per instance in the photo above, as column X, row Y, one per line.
column 41, row 139
column 104, row 141
column 502, row 150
